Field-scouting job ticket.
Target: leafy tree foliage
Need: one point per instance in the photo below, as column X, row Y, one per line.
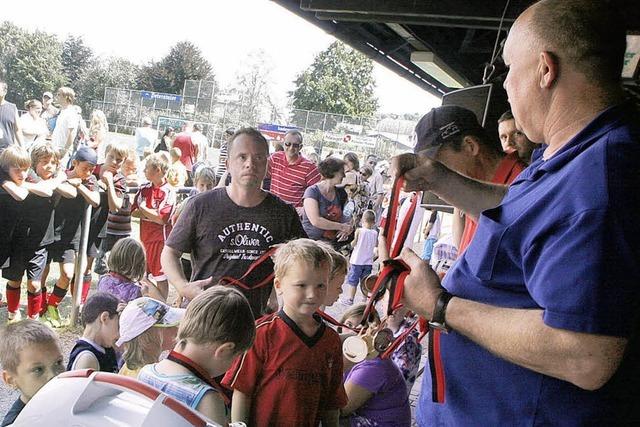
column 30, row 62
column 102, row 73
column 253, row 86
column 183, row 62
column 340, row 80
column 76, row 57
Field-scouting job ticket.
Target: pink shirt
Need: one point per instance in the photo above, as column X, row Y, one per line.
column 288, row 181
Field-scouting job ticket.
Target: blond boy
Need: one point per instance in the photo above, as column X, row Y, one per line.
column 292, row 376
column 154, row 204
column 30, row 356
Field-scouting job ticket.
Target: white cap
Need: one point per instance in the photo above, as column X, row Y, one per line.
column 144, row 313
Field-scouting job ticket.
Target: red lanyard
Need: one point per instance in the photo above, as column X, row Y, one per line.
column 327, row 318
column 394, row 271
column 199, row 372
column 226, row 280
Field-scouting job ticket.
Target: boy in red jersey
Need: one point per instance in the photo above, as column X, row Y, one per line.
column 292, row 375
column 153, row 204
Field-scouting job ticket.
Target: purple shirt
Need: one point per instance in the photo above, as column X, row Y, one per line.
column 389, row 405
column 119, row 286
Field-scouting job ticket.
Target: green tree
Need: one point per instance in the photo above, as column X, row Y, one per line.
column 253, row 85
column 76, row 57
column 340, row 80
column 31, row 62
column 102, row 73
column 183, row 62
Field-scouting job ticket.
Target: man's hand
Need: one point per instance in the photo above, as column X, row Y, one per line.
column 421, row 287
column 420, row 172
column 191, row 289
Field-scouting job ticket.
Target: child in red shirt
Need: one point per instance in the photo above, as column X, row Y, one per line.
column 292, row 375
column 153, row 204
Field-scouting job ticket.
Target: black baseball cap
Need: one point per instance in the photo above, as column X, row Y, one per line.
column 86, row 154
column 443, row 123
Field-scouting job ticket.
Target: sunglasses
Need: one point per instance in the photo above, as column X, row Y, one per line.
column 289, row 144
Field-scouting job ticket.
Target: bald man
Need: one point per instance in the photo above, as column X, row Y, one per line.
column 542, row 308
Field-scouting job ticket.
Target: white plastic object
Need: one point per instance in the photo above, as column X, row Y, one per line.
column 84, row 398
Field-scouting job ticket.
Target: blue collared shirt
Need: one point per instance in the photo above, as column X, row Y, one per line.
column 563, row 240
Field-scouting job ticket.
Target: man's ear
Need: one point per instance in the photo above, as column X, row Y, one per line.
column 471, row 145
column 548, row 69
column 9, row 378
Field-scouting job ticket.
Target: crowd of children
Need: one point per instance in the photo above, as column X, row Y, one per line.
column 284, row 369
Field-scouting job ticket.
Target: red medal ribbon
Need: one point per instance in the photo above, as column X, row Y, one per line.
column 199, row 372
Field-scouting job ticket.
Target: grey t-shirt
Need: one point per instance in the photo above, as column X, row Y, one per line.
column 8, row 114
column 224, row 239
column 329, row 209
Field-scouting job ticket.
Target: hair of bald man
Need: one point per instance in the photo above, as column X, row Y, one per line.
column 252, row 133
column 588, row 35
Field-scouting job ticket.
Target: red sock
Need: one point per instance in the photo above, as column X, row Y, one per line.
column 34, row 303
column 86, row 286
column 43, row 300
column 56, row 296
column 13, row 299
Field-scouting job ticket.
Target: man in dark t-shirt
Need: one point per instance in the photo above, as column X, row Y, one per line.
column 225, row 230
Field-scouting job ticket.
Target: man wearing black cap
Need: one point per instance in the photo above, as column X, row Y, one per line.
column 452, row 136
column 542, row 309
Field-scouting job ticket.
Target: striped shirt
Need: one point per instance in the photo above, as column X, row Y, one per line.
column 119, row 222
column 289, row 181
column 222, row 160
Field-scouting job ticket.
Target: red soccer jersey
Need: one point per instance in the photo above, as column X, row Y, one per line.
column 508, row 170
column 289, row 181
column 289, row 376
column 162, row 199
column 187, row 148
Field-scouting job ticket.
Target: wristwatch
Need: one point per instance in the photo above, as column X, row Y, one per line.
column 437, row 318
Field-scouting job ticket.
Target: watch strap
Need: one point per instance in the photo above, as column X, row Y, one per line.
column 438, row 317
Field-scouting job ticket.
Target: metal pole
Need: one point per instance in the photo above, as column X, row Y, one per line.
column 81, row 265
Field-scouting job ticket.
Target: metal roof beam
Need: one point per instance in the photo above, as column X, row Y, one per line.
column 411, row 20
column 477, row 10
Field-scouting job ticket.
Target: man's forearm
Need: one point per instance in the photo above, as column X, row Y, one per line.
column 471, row 196
column 172, row 268
column 521, row 337
column 424, row 174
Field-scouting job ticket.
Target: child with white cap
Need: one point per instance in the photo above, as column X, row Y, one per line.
column 146, row 326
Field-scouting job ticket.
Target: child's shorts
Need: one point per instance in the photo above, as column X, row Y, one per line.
column 33, row 263
column 153, row 251
column 61, row 252
column 357, row 273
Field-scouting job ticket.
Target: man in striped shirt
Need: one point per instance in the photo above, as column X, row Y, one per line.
column 290, row 172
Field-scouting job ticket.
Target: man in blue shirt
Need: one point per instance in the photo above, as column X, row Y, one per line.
column 543, row 307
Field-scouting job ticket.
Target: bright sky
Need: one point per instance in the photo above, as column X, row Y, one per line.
column 226, row 32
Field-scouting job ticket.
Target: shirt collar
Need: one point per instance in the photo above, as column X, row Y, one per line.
column 600, row 125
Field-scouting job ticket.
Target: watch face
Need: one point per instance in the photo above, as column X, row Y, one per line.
column 383, row 340
column 355, row 349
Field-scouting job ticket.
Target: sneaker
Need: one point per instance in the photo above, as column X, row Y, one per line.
column 53, row 316
column 346, row 301
column 14, row 317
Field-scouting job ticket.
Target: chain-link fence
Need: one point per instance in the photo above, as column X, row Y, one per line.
column 199, row 102
column 340, row 133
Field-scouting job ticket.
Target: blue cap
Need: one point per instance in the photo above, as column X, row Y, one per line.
column 86, row 154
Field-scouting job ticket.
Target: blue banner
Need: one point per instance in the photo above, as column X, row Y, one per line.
column 161, row 96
